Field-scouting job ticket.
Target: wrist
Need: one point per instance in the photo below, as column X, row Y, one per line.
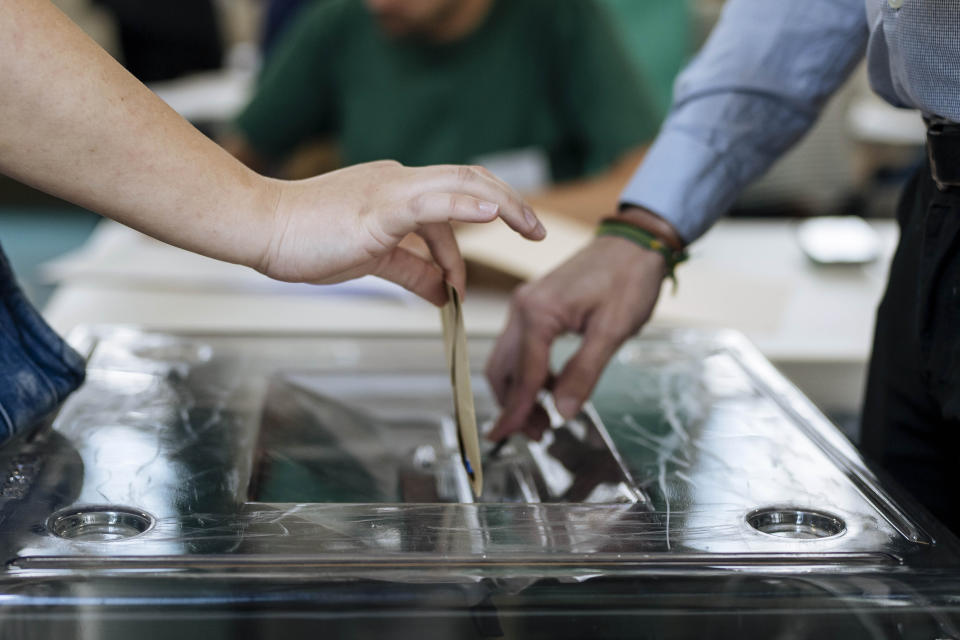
column 265, row 205
column 654, row 224
column 630, row 264
column 636, row 229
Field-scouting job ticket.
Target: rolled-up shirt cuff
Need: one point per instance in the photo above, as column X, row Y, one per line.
column 683, row 181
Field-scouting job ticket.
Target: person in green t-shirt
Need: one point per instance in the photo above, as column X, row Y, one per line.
column 539, row 91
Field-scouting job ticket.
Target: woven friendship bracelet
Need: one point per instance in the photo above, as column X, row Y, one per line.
column 623, row 229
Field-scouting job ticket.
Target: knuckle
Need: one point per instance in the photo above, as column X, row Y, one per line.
column 386, row 164
column 532, row 300
column 521, row 303
column 466, row 174
column 482, row 171
column 455, row 203
column 417, row 205
column 525, row 295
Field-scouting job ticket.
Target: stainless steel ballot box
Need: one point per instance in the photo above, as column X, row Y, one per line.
column 225, row 486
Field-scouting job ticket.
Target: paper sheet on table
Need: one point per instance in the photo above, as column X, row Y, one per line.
column 458, row 363
column 496, row 245
column 119, row 255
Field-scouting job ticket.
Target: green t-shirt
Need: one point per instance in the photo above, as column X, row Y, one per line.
column 549, row 75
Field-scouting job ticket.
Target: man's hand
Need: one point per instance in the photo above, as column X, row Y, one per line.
column 349, row 223
column 606, row 292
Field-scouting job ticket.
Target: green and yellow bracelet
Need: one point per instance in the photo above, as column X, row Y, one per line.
column 622, row 228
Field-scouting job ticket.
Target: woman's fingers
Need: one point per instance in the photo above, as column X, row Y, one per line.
column 433, row 207
column 443, row 247
column 485, row 187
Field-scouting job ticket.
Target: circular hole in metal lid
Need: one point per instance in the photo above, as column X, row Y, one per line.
column 796, row 524
column 99, row 523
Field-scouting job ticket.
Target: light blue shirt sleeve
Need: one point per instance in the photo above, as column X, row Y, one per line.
column 756, row 87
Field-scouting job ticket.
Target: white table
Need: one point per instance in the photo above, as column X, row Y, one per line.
column 813, row 322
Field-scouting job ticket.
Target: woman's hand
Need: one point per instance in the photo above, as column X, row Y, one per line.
column 348, row 223
column 74, row 123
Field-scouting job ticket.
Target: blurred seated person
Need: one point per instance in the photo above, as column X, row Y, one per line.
column 538, row 91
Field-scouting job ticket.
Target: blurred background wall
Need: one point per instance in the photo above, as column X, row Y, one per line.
column 852, row 162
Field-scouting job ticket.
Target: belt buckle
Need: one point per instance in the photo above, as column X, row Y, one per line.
column 943, row 152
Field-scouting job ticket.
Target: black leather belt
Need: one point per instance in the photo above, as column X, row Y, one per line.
column 943, row 149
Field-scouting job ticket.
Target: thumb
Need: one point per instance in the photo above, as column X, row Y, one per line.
column 414, row 273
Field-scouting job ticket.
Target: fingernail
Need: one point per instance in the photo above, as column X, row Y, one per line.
column 531, row 218
column 540, row 231
column 567, row 407
column 488, row 207
column 460, row 290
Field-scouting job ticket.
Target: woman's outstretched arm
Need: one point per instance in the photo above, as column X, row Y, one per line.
column 76, row 124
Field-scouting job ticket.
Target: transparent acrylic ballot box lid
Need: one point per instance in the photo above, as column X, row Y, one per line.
column 293, row 479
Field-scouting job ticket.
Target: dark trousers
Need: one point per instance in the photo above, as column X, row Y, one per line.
column 911, row 417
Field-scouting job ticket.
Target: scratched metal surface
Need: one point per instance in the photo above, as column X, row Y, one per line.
column 270, row 464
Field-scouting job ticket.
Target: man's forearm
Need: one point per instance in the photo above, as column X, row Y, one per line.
column 755, row 88
column 593, row 198
column 74, row 123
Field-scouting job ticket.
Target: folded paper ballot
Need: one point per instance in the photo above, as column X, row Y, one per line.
column 458, row 362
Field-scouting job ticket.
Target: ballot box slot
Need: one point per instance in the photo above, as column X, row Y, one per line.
column 389, row 439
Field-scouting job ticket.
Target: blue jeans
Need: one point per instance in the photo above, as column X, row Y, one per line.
column 37, row 369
